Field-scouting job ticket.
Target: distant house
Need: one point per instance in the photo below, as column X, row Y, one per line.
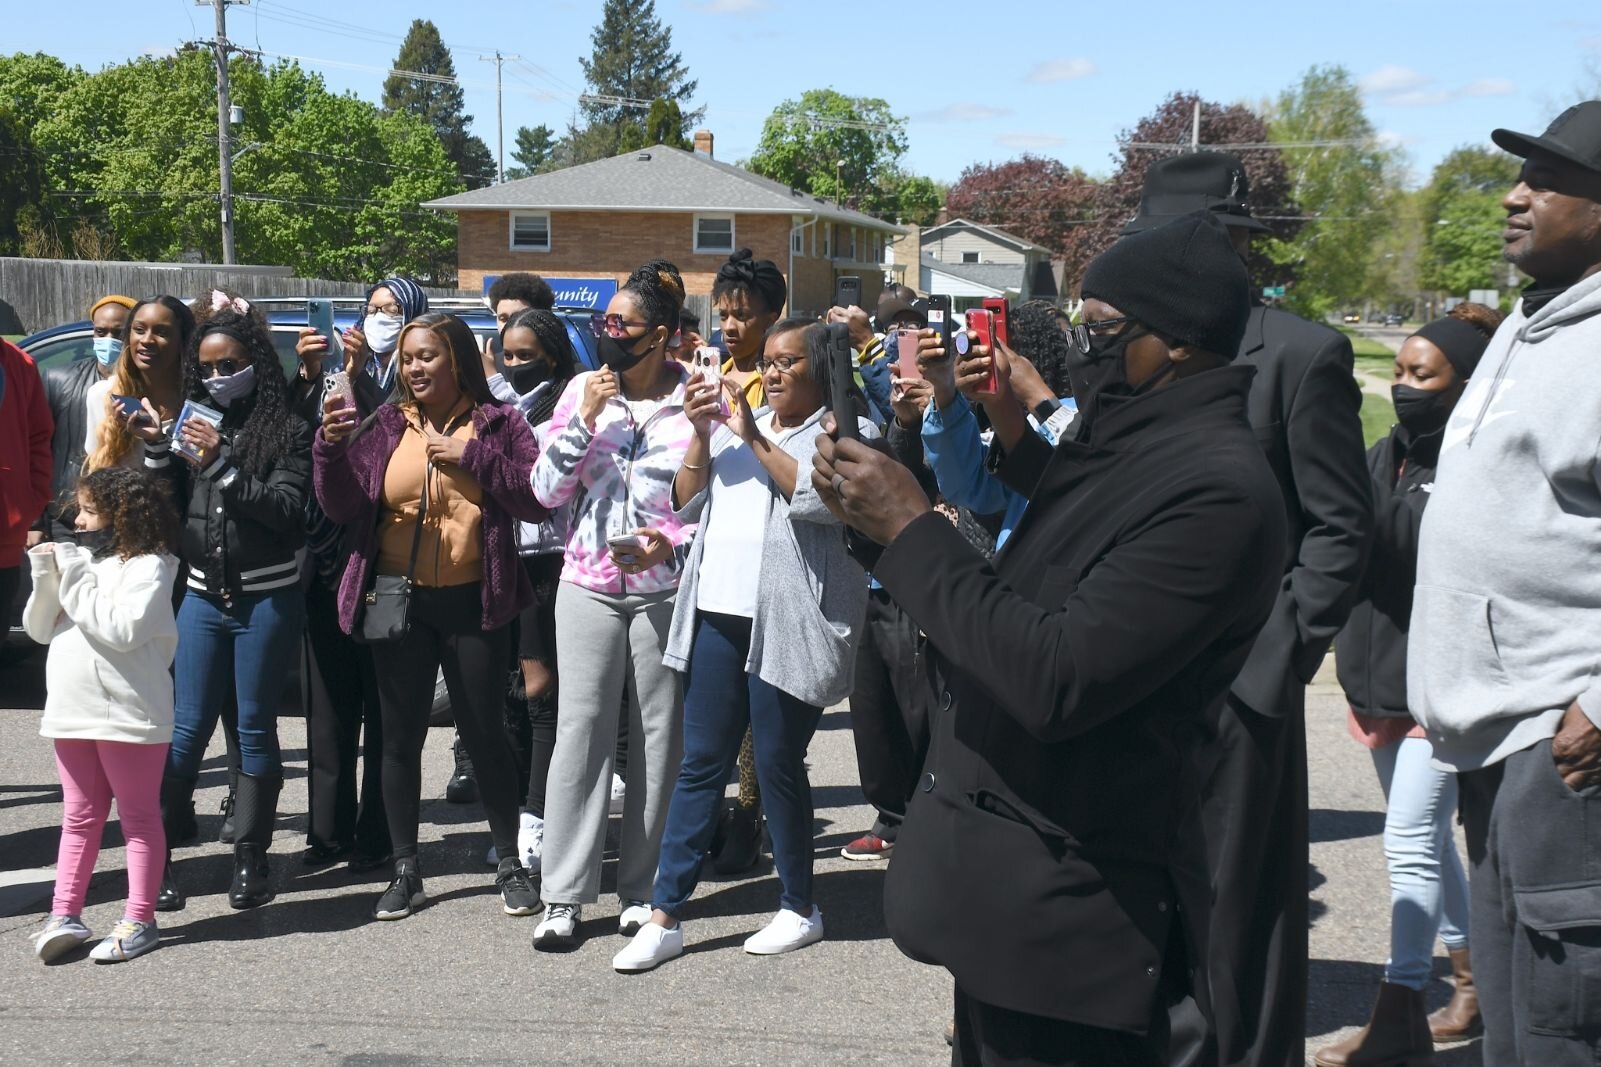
column 585, row 228
column 968, row 261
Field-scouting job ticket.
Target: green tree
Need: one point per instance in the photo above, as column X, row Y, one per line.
column 835, row 146
column 1462, row 220
column 631, row 59
column 437, row 100
column 21, row 183
column 918, row 200
column 1345, row 189
column 533, row 150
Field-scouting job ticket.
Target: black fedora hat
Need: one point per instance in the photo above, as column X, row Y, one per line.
column 1195, row 181
column 1575, row 136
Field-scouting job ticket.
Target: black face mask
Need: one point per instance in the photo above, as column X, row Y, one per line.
column 1422, row 411
column 526, row 377
column 614, row 355
column 95, row 542
column 1104, row 372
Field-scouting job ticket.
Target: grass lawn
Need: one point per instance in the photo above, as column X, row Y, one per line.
column 1378, row 416
column 1370, row 355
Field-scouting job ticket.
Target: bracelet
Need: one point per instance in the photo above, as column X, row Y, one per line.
column 688, row 466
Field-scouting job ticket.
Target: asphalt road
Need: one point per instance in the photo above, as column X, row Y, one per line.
column 310, row 979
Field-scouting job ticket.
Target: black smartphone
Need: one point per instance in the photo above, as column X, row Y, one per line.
column 939, row 318
column 848, row 291
column 841, row 373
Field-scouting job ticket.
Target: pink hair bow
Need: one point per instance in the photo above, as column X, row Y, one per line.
column 220, row 300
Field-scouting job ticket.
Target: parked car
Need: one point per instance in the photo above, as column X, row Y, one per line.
column 1393, row 320
column 1353, row 317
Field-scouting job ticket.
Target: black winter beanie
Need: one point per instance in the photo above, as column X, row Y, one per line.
column 1182, row 279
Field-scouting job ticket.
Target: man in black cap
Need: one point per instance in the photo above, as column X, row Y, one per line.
column 1305, row 408
column 1504, row 661
column 1049, row 858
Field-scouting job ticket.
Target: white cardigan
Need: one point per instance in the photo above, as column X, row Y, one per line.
column 112, row 635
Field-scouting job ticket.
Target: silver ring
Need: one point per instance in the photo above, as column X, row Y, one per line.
column 839, row 485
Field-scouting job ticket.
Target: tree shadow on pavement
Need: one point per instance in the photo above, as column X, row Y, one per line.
column 852, row 903
column 1330, row 824
column 32, row 794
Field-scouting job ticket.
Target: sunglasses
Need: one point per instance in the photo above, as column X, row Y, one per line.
column 614, row 326
column 1082, row 332
column 223, row 367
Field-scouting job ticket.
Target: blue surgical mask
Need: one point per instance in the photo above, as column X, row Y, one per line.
column 107, row 349
column 226, row 388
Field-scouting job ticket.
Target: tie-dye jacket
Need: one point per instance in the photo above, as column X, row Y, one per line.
column 618, row 478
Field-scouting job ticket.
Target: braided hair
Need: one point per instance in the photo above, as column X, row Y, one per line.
column 558, row 348
column 759, row 279
column 269, row 430
column 1035, row 336
column 658, row 289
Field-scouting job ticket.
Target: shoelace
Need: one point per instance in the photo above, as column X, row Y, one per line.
column 122, row 931
column 561, row 911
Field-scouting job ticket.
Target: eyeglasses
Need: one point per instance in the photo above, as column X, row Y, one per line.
column 222, row 367
column 783, row 363
column 1081, row 332
column 603, row 325
column 383, row 309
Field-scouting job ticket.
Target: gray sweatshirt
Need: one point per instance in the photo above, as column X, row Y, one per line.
column 1506, row 621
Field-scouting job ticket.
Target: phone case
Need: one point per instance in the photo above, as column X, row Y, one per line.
column 709, row 365
column 192, row 410
column 906, row 346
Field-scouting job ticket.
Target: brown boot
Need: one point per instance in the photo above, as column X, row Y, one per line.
column 1459, row 1019
column 1396, row 1036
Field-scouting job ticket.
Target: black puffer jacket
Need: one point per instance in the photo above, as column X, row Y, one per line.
column 65, row 389
column 242, row 532
column 1370, row 652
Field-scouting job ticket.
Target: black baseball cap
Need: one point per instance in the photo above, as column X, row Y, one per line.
column 1575, row 136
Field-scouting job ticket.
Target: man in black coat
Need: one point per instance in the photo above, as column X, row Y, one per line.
column 1305, row 408
column 1051, row 843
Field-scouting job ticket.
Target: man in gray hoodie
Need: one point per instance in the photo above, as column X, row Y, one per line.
column 1504, row 669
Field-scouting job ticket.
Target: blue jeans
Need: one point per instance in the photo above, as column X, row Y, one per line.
column 1428, row 889
column 249, row 648
column 720, row 699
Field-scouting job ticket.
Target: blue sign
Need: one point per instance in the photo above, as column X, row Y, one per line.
column 592, row 293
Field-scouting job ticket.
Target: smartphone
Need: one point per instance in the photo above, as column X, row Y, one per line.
column 848, row 291
column 627, row 546
column 320, row 317
column 842, row 371
column 128, row 405
column 337, row 383
column 1000, row 311
column 982, row 323
column 939, row 318
column 906, row 342
column 708, row 363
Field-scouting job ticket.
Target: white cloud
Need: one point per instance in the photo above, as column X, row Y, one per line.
column 1062, row 70
column 1394, row 139
column 1489, row 87
column 731, row 7
column 964, row 112
column 1404, row 87
column 1417, row 98
column 1391, row 79
column 1030, row 140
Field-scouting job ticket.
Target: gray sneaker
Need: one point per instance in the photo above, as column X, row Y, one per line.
column 61, row 934
column 127, row 940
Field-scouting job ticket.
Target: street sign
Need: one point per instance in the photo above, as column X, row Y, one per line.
column 1273, row 291
column 593, row 293
column 1487, row 297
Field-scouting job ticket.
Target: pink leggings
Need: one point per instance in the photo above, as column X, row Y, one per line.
column 92, row 772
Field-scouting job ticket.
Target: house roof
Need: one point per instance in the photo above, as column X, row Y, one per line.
column 658, row 178
column 1019, row 243
column 1002, row 277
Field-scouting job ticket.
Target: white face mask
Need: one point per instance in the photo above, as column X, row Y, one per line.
column 226, row 388
column 381, row 332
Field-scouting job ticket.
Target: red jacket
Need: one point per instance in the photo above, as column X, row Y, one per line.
column 25, row 431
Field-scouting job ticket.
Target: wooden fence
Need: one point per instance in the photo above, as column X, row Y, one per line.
column 39, row 293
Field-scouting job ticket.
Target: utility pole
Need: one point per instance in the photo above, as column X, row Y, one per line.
column 1195, row 128
column 224, row 153
column 500, row 123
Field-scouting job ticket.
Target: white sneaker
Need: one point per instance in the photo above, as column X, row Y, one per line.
column 635, row 914
column 619, row 790
column 61, row 934
column 559, row 928
column 651, row 947
column 531, row 841
column 788, row 931
column 127, row 940
column 492, row 858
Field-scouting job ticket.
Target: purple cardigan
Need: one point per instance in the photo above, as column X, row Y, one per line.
column 349, row 479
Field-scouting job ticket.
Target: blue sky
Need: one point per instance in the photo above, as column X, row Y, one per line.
column 1057, row 79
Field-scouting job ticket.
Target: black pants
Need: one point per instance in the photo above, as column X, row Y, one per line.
column 1534, row 848
column 1254, row 811
column 987, row 1036
column 10, row 580
column 446, row 633
column 340, row 692
column 889, row 710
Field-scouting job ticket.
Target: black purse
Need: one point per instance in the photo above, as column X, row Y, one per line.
column 386, row 606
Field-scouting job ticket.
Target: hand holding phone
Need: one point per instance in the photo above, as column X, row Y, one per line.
column 842, row 373
column 336, row 386
column 982, row 322
column 708, row 363
column 907, row 342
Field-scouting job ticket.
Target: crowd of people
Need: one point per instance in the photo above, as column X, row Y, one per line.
column 1072, row 583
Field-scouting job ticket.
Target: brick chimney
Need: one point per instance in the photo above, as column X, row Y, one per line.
column 703, row 143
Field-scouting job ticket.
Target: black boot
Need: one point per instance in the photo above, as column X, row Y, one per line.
column 225, row 833
column 255, row 812
column 177, row 805
column 462, row 787
column 169, row 897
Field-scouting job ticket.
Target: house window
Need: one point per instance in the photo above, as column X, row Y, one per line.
column 714, row 233
column 828, row 242
column 530, row 232
column 797, row 238
column 969, row 257
column 850, row 251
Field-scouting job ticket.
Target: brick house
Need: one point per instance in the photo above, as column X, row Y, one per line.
column 598, row 221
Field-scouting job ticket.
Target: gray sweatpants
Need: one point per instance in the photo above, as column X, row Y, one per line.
column 1535, row 849
column 604, row 642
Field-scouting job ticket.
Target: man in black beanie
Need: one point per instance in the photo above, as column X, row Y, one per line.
column 1305, row 408
column 1051, row 857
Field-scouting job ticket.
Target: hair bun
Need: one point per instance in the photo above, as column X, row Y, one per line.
column 672, row 284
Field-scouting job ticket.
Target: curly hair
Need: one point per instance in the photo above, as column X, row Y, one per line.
column 1032, row 328
column 204, row 306
column 1481, row 317
column 464, row 358
column 129, row 380
column 137, row 509
column 269, row 429
column 759, row 279
column 524, row 287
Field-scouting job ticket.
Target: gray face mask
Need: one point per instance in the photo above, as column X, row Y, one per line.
column 226, row 388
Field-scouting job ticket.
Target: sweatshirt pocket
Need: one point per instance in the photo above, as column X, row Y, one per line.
column 124, row 709
column 1455, row 677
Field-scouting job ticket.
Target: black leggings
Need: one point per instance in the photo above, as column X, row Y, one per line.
column 446, row 632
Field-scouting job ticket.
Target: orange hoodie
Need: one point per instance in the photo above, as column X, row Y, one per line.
column 25, row 431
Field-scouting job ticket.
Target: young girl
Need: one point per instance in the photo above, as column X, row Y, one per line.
column 104, row 605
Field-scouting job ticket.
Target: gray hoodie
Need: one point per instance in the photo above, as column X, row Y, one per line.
column 1506, row 621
